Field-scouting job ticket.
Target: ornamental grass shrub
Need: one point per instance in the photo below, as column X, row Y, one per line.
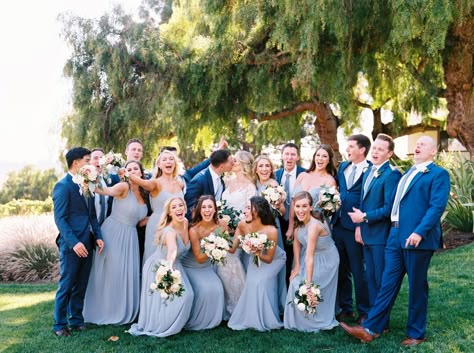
column 28, row 252
column 26, row 207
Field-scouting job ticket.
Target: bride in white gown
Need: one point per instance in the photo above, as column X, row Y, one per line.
column 239, row 189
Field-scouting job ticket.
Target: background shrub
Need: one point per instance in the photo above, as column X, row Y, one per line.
column 26, row 207
column 28, row 252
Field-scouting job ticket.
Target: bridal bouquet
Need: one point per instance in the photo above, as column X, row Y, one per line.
column 87, row 179
column 229, row 214
column 110, row 164
column 255, row 242
column 216, row 245
column 275, row 195
column 167, row 281
column 329, row 200
column 307, row 298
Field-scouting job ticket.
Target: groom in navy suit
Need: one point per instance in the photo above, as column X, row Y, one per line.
column 209, row 181
column 415, row 233
column 349, row 178
column 373, row 217
column 79, row 232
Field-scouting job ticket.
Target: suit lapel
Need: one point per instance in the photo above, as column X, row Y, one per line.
column 418, row 175
column 374, row 179
column 342, row 179
column 210, row 182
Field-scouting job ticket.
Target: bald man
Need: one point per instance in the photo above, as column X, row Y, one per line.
column 420, row 199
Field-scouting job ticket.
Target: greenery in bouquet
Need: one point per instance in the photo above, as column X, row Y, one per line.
column 167, row 282
column 229, row 214
column 216, row 246
column 110, row 164
column 329, row 200
column 307, row 298
column 255, row 242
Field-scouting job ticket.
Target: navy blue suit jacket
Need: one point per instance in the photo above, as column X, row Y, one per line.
column 377, row 204
column 421, row 208
column 349, row 197
column 201, row 184
column 74, row 215
column 191, row 173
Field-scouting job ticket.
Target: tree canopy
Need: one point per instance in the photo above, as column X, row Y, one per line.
column 251, row 69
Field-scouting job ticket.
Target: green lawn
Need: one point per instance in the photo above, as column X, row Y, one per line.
column 26, row 319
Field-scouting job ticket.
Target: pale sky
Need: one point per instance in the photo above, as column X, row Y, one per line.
column 34, row 94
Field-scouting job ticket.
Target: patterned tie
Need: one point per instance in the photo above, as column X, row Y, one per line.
column 219, row 189
column 102, row 209
column 369, row 179
column 288, row 196
column 401, row 191
column 350, row 182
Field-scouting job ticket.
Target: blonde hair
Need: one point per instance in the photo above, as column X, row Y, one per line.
column 245, row 160
column 158, row 170
column 166, row 217
column 258, row 159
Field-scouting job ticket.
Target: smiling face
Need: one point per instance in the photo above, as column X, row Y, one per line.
column 321, row 159
column 134, row 151
column 302, row 210
column 425, row 149
column 263, row 169
column 289, row 156
column 134, row 168
column 380, row 152
column 207, row 210
column 177, row 210
column 248, row 212
column 167, row 162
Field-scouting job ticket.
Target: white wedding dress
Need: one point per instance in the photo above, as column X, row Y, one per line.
column 232, row 274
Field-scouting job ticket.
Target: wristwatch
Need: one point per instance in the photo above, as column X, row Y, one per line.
column 365, row 218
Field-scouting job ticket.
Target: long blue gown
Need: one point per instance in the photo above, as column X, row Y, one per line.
column 158, row 318
column 113, row 290
column 326, row 265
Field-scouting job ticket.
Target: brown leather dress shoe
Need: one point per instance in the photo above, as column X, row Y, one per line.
column 358, row 332
column 62, row 333
column 407, row 342
column 344, row 315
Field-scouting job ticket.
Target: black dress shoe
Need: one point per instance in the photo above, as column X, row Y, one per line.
column 62, row 332
column 344, row 315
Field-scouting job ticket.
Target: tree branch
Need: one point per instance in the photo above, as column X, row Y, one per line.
column 297, row 108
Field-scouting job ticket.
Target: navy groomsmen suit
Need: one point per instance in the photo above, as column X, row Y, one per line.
column 76, row 219
column 350, row 252
column 377, row 202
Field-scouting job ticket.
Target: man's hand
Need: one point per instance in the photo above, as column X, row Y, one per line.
column 80, row 250
column 358, row 236
column 100, row 245
column 413, row 240
column 357, row 216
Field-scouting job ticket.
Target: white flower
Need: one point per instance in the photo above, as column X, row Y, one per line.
column 164, row 295
column 176, row 274
column 315, row 290
column 153, row 286
column 295, row 300
column 301, row 307
column 175, row 287
column 303, row 290
column 218, row 204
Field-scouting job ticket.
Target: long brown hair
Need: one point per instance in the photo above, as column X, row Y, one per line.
column 331, row 167
column 197, row 210
column 302, row 195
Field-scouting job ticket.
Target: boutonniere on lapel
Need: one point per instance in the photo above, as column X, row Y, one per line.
column 425, row 170
column 377, row 173
column 365, row 169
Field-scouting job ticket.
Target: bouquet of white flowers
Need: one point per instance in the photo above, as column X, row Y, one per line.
column 329, row 200
column 87, row 179
column 254, row 242
column 275, row 195
column 216, row 246
column 110, row 164
column 167, row 281
column 229, row 214
column 307, row 298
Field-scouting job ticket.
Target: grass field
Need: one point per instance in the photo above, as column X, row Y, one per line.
column 26, row 320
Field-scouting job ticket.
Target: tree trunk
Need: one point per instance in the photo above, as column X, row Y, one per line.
column 326, row 125
column 458, row 75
